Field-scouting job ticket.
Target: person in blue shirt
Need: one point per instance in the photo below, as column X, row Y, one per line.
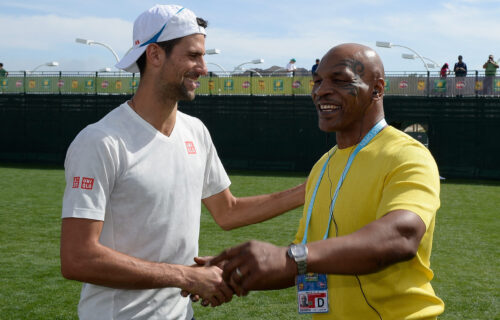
column 460, row 68
column 315, row 66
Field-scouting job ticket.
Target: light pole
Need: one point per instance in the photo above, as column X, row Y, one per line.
column 220, row 67
column 433, row 63
column 255, row 61
column 278, row 70
column 46, row 64
column 91, row 42
column 255, row 71
column 384, row 44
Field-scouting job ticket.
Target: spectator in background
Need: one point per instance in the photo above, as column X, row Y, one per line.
column 315, row 66
column 291, row 68
column 445, row 71
column 490, row 67
column 460, row 68
column 3, row 72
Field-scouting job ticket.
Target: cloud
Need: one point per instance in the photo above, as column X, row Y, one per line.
column 46, row 32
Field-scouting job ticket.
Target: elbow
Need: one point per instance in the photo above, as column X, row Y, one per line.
column 405, row 250
column 68, row 271
column 225, row 224
column 407, row 253
column 71, row 268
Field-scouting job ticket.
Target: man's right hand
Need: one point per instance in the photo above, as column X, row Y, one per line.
column 207, row 283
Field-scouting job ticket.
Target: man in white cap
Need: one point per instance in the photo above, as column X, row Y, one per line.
column 136, row 180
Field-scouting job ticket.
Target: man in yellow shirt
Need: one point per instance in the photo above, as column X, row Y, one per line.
column 370, row 209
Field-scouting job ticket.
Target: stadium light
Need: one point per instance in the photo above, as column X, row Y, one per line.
column 255, row 61
column 385, row 44
column 47, row 64
column 91, row 42
column 212, row 51
column 433, row 63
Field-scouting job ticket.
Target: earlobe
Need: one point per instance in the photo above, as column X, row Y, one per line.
column 378, row 89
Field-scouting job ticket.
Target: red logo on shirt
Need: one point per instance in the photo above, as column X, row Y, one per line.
column 76, row 182
column 190, row 147
column 87, row 183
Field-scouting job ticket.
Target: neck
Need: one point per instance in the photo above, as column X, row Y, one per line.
column 354, row 135
column 157, row 111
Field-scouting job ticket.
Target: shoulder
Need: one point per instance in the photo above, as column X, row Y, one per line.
column 190, row 121
column 399, row 149
column 104, row 132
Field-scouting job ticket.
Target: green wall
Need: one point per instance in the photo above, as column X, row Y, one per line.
column 261, row 132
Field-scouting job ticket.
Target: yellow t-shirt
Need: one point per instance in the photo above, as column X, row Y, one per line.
column 392, row 172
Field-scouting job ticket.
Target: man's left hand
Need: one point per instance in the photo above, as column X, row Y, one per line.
column 256, row 265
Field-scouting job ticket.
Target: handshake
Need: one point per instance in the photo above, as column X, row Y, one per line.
column 249, row 266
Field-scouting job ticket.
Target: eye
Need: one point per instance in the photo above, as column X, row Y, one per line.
column 341, row 81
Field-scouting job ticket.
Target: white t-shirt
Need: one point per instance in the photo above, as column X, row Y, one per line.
column 147, row 188
column 290, row 67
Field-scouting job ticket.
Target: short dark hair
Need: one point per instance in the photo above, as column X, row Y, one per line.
column 1, row 64
column 167, row 46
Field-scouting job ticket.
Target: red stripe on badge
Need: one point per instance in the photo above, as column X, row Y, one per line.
column 190, row 147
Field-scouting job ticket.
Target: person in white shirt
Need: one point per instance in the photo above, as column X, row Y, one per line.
column 135, row 181
column 291, row 68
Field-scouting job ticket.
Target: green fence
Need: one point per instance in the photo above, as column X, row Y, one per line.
column 251, row 83
column 262, row 132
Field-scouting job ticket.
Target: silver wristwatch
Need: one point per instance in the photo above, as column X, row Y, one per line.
column 298, row 252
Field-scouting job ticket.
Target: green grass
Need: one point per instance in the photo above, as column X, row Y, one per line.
column 465, row 255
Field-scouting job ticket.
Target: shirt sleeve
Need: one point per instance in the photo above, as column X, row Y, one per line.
column 216, row 179
column 90, row 170
column 412, row 184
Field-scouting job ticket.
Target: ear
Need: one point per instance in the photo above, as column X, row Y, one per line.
column 378, row 89
column 154, row 55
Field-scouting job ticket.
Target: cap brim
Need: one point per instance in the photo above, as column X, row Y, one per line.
column 128, row 62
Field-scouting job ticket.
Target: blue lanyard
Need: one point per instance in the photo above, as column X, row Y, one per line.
column 366, row 139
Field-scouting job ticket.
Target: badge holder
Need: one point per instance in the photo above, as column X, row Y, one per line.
column 312, row 293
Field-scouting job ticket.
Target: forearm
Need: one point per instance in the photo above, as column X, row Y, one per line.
column 249, row 210
column 104, row 266
column 370, row 249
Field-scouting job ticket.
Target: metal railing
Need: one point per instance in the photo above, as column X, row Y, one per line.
column 408, row 83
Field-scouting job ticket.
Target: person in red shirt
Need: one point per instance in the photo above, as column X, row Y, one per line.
column 444, row 71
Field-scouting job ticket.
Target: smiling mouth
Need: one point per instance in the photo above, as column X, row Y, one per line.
column 329, row 107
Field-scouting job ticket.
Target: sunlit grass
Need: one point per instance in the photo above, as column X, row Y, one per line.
column 465, row 253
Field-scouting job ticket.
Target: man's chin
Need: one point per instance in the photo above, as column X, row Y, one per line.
column 187, row 95
column 326, row 127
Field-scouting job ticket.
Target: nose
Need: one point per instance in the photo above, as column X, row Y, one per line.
column 201, row 67
column 322, row 88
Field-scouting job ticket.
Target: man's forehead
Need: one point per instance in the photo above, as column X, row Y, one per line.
column 341, row 64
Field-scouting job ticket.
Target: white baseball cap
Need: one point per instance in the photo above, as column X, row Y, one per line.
column 160, row 23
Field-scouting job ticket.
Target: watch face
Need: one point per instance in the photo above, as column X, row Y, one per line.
column 298, row 251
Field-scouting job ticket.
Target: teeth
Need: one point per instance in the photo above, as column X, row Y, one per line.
column 329, row 107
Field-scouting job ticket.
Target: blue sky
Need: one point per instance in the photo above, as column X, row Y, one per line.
column 34, row 32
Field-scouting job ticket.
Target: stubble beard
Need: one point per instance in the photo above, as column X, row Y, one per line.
column 176, row 91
